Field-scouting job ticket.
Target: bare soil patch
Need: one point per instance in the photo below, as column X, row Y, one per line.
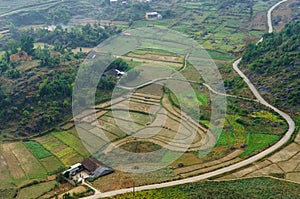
column 295, row 176
column 157, row 57
column 285, row 154
column 12, row 162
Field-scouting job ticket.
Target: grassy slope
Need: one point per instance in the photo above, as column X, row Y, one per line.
column 276, row 59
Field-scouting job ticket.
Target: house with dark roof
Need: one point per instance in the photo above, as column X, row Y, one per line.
column 95, row 168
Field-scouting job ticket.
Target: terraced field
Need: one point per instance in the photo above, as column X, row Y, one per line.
column 146, row 120
column 166, row 125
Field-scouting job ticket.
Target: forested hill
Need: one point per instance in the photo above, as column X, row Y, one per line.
column 274, row 67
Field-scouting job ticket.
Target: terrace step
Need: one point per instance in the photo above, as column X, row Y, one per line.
column 148, row 96
column 205, row 170
column 197, row 167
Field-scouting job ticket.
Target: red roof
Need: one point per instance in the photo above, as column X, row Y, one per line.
column 91, row 164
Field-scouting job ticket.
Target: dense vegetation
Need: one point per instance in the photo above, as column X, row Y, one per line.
column 277, row 59
column 37, row 82
column 84, row 36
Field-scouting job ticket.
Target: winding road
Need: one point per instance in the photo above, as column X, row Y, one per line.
column 233, row 167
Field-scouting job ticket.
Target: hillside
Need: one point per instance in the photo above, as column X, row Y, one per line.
column 274, row 67
column 36, row 78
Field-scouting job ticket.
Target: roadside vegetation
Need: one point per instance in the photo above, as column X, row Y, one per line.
column 244, row 188
column 276, row 59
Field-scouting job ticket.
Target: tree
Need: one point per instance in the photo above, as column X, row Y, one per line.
column 43, row 55
column 27, row 44
column 58, row 46
column 119, row 64
column 12, row 47
column 3, row 66
column 13, row 73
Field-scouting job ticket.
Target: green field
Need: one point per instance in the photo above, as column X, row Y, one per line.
column 39, row 151
column 36, row 191
column 192, row 99
column 258, row 141
column 31, row 166
column 226, row 139
column 72, row 141
column 65, row 153
column 51, row 164
column 220, row 55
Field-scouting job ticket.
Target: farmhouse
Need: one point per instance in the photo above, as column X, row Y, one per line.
column 91, row 166
column 113, row 2
column 153, row 16
column 145, row 1
column 95, row 168
column 73, row 170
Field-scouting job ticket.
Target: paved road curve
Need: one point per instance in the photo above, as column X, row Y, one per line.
column 233, row 167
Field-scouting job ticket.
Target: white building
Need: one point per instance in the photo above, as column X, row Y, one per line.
column 153, row 16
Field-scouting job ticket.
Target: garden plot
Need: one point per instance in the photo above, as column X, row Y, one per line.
column 51, row 163
column 72, row 141
column 68, row 156
column 50, row 143
column 64, row 153
column 39, row 151
column 31, row 167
